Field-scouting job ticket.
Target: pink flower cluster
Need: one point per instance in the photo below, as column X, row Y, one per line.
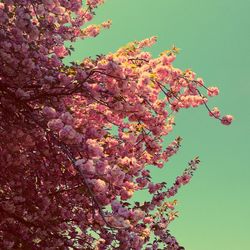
column 77, row 141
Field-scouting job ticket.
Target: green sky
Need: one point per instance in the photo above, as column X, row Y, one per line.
column 214, row 39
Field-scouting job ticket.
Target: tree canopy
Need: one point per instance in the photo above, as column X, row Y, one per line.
column 76, row 140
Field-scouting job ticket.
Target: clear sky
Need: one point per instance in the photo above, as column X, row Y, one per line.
column 214, row 38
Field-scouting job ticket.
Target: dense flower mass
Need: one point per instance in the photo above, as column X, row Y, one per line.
column 76, row 140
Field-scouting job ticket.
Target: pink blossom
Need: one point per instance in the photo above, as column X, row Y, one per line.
column 80, row 162
column 60, row 51
column 55, row 124
column 124, row 212
column 167, row 60
column 99, row 185
column 162, row 72
column 67, row 132
column 117, row 175
column 59, row 10
column 148, row 220
column 92, row 31
column 126, row 194
column 86, row 166
column 67, row 118
column 94, row 3
column 137, row 214
column 49, row 112
column 94, row 147
column 185, row 179
column 106, row 24
column 213, row 91
column 227, row 119
column 200, row 81
column 215, row 112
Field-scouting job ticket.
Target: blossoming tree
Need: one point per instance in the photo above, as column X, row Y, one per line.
column 66, row 176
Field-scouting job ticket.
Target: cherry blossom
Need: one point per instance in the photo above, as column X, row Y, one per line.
column 78, row 141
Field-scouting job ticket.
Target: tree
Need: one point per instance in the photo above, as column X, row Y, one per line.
column 76, row 139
